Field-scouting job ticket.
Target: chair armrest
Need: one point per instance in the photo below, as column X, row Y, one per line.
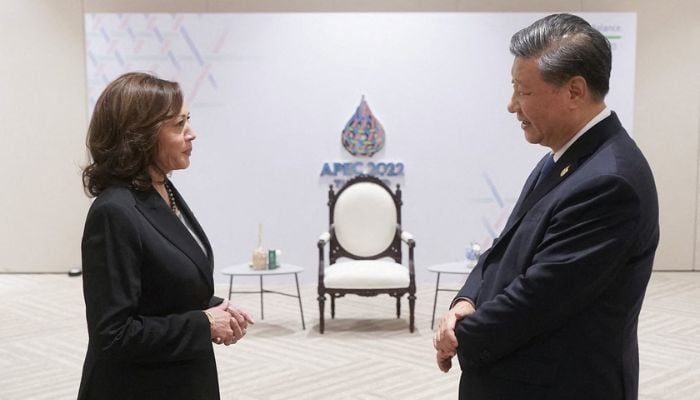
column 323, row 239
column 408, row 238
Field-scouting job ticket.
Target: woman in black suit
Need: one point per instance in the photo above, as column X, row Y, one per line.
column 147, row 263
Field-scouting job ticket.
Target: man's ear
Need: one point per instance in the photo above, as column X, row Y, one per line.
column 578, row 89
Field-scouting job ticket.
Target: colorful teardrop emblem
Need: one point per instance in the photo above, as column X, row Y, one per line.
column 363, row 135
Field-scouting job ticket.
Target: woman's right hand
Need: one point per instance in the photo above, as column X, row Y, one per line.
column 221, row 331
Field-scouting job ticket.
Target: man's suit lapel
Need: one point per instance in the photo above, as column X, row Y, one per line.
column 154, row 209
column 572, row 159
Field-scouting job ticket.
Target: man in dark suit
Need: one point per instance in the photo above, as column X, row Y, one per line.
column 551, row 309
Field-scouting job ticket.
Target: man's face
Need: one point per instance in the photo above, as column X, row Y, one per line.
column 541, row 107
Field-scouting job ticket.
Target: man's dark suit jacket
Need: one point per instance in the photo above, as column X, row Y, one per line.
column 559, row 292
column 146, row 282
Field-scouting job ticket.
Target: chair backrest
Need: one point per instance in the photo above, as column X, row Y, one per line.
column 365, row 216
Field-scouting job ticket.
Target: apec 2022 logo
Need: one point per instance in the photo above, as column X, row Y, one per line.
column 363, row 136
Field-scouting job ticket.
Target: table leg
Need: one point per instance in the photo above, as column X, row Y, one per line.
column 301, row 310
column 262, row 311
column 437, row 285
column 230, row 287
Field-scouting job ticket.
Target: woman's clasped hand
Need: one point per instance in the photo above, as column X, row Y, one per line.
column 228, row 323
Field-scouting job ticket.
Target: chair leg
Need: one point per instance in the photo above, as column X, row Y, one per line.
column 398, row 306
column 332, row 306
column 412, row 309
column 321, row 302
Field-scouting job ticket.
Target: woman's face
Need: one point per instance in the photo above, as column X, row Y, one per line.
column 175, row 142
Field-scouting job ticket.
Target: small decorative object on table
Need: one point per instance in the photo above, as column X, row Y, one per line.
column 259, row 261
column 473, row 253
column 272, row 259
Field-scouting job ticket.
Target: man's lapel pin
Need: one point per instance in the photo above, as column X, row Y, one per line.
column 564, row 171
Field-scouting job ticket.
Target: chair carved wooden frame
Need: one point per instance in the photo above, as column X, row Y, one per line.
column 365, row 228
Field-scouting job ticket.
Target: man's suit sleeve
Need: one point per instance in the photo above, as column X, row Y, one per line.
column 586, row 242
column 472, row 286
column 215, row 301
column 112, row 262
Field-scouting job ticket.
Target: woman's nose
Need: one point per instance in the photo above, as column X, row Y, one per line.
column 191, row 134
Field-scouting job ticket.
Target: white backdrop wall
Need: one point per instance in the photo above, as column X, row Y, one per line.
column 270, row 94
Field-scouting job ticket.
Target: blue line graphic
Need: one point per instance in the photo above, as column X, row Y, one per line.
column 104, row 34
column 119, row 58
column 92, row 58
column 172, row 58
column 158, row 34
column 212, row 81
column 494, row 191
column 190, row 43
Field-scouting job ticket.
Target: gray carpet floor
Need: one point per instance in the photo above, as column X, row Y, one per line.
column 366, row 353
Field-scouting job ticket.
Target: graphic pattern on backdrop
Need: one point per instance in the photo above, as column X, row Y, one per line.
column 162, row 44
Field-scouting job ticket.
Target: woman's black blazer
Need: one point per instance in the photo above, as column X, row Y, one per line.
column 145, row 283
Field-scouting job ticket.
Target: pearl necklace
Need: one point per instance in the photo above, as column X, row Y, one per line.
column 171, row 198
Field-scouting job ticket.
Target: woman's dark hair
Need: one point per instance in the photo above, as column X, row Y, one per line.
column 123, row 134
column 565, row 46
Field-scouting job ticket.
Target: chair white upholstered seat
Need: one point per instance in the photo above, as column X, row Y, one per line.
column 366, row 274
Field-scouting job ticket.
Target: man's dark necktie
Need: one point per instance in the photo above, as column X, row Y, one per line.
column 546, row 168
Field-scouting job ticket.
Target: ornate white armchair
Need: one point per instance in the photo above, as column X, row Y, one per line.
column 364, row 255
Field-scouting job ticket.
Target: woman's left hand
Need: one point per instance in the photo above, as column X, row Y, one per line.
column 239, row 321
